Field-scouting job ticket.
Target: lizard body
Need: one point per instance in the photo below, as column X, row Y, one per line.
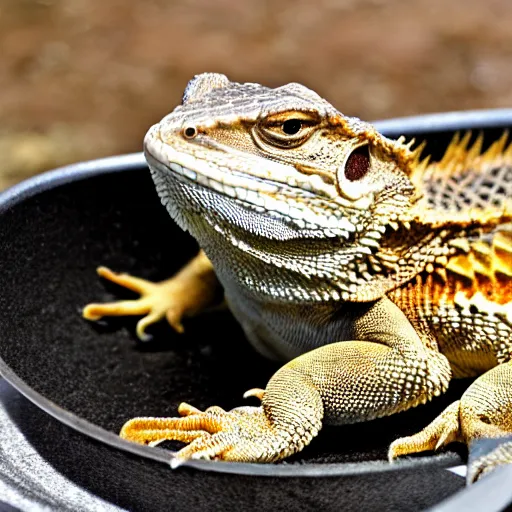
column 376, row 276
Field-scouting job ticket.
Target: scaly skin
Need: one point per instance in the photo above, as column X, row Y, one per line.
column 375, row 277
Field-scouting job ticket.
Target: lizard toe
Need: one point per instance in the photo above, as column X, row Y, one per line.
column 442, row 431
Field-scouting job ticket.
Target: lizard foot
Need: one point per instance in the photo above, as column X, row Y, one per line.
column 244, row 434
column 442, row 431
column 157, row 300
column 483, row 412
column 191, row 290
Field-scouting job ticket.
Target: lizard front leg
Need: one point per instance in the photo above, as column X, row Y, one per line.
column 386, row 371
column 484, row 410
column 190, row 291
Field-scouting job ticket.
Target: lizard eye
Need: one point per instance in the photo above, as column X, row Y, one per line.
column 292, row 126
column 286, row 130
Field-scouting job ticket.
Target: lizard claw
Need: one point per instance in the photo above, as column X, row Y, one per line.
column 257, row 392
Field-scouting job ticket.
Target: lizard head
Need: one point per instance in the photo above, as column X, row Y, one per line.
column 283, row 152
column 278, row 167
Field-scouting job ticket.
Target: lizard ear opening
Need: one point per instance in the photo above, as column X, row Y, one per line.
column 357, row 163
column 352, row 171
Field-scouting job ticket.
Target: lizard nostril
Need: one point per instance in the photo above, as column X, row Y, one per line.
column 190, row 132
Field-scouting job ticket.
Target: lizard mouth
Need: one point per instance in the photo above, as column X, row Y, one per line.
column 280, row 202
column 301, row 210
column 243, row 187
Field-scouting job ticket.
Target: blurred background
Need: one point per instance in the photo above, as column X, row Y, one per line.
column 81, row 79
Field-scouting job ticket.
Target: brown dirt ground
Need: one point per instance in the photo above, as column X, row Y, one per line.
column 85, row 78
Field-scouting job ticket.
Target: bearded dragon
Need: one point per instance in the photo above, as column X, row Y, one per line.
column 373, row 274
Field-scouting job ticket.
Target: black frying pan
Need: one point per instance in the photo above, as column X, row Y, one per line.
column 55, row 229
